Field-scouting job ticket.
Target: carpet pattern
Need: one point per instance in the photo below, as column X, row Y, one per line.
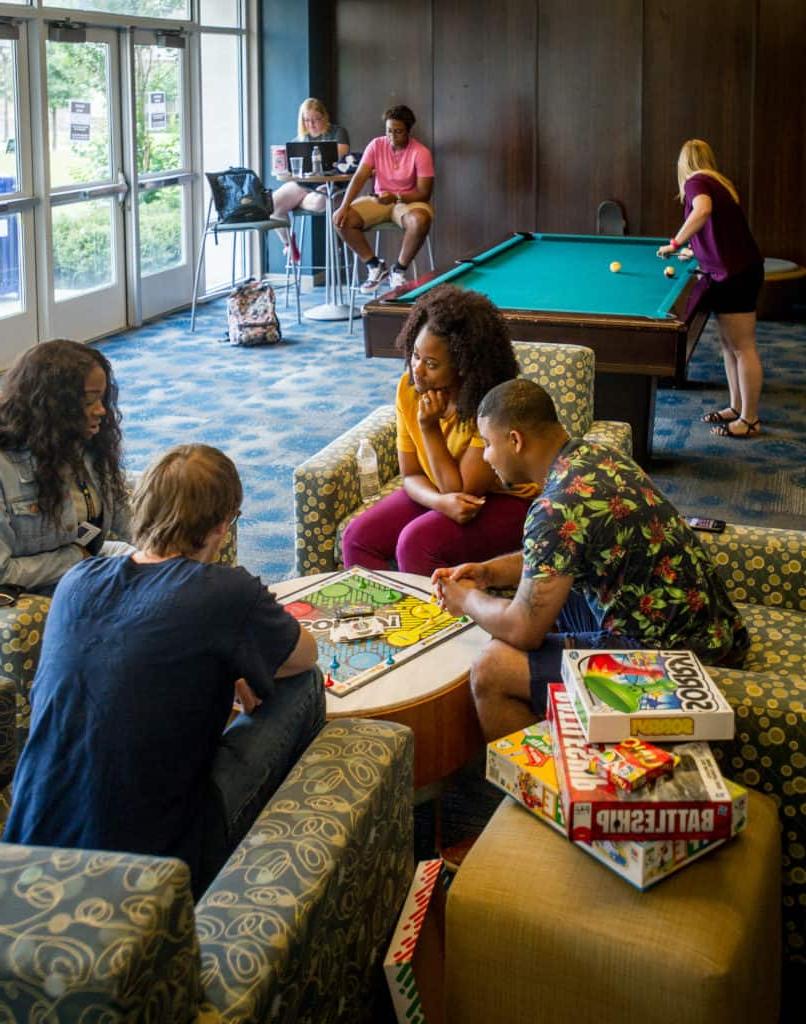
column 270, row 408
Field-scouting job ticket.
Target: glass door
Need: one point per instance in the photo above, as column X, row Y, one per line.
column 18, row 319
column 84, row 266
column 164, row 178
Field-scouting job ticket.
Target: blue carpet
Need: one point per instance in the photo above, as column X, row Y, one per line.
column 270, row 408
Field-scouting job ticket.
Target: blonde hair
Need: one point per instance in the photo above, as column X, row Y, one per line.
column 316, row 106
column 181, row 497
column 697, row 157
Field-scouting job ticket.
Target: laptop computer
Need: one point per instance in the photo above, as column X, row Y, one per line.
column 329, row 151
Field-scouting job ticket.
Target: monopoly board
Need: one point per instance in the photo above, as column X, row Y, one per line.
column 401, row 621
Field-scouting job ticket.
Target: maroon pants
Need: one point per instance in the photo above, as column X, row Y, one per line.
column 399, row 531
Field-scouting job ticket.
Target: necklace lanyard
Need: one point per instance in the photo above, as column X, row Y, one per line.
column 88, row 499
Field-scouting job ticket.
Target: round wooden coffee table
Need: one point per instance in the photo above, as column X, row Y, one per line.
column 429, row 693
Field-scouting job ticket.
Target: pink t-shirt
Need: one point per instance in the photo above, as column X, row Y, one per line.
column 397, row 170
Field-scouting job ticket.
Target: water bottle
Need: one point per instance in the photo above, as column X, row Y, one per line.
column 367, row 460
column 316, row 160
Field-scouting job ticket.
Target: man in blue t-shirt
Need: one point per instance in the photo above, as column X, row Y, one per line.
column 605, row 555
column 129, row 747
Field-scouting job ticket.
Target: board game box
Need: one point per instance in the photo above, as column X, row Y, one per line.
column 415, row 961
column 694, row 804
column 522, row 764
column 401, row 621
column 661, row 696
column 513, row 766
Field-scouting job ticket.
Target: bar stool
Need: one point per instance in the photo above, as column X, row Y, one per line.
column 378, row 229
column 290, row 266
column 213, row 227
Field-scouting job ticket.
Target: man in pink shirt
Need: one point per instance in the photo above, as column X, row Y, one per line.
column 404, row 177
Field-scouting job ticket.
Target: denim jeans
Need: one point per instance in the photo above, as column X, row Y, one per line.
column 255, row 754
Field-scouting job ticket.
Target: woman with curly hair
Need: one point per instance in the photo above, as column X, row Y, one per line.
column 61, row 483
column 452, row 507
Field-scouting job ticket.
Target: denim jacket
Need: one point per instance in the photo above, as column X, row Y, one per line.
column 36, row 552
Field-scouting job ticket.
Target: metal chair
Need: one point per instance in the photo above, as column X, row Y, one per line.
column 379, row 229
column 611, row 218
column 214, row 227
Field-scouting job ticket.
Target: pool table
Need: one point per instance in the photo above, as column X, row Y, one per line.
column 560, row 288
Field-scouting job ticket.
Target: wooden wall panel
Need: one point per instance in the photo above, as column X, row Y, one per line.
column 589, row 111
column 698, row 83
column 538, row 109
column 385, row 55
column 778, row 196
column 484, row 121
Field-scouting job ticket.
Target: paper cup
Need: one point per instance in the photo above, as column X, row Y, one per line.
column 279, row 160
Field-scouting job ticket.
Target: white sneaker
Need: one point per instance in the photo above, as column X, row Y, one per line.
column 375, row 277
column 397, row 278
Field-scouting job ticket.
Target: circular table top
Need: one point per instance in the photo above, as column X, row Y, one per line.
column 414, row 681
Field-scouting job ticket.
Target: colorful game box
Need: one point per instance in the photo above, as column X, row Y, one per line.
column 415, row 962
column 535, row 786
column 662, row 696
column 645, row 863
column 522, row 764
column 632, row 763
column 694, row 804
column 354, row 650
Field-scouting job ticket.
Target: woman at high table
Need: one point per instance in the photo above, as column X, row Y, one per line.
column 452, row 507
column 716, row 232
column 313, row 125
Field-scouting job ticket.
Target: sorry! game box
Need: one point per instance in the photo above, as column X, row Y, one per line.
column 661, row 696
column 366, row 623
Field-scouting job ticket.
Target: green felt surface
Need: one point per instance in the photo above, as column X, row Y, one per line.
column 571, row 274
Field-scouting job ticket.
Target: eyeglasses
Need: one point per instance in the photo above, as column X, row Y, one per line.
column 235, row 518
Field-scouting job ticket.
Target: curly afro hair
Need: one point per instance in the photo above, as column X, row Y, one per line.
column 42, row 409
column 476, row 336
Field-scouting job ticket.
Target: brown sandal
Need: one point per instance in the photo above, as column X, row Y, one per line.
column 723, row 430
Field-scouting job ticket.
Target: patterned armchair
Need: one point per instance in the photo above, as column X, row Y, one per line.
column 765, row 573
column 326, row 494
column 294, row 927
column 21, row 627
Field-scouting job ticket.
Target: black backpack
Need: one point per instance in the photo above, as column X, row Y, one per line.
column 239, row 196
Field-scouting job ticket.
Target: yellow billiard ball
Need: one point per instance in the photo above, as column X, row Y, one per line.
column 669, row 271
column 615, row 266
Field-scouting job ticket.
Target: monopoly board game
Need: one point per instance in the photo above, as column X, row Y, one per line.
column 366, row 624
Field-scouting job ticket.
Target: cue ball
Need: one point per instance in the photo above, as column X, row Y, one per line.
column 615, row 266
column 669, row 271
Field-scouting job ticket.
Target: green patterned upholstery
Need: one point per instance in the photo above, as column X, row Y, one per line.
column 765, row 573
column 293, row 929
column 21, row 627
column 326, row 494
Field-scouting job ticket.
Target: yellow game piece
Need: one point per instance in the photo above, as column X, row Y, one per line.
column 669, row 271
column 615, row 266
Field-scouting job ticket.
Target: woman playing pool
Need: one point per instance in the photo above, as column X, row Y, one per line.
column 451, row 507
column 717, row 233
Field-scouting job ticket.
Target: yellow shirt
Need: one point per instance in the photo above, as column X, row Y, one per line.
column 458, row 437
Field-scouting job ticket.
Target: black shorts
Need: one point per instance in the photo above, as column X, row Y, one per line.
column 736, row 294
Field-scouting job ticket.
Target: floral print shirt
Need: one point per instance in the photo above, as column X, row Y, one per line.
column 637, row 563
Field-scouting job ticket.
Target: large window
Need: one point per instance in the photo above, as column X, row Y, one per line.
column 107, row 124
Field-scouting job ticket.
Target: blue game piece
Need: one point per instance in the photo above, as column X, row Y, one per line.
column 390, row 659
column 334, row 664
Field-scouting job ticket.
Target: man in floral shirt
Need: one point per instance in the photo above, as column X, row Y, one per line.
column 607, row 562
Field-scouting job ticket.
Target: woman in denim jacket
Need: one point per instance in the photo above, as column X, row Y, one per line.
column 62, row 489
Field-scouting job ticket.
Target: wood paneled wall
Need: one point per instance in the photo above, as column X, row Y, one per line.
column 538, row 109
